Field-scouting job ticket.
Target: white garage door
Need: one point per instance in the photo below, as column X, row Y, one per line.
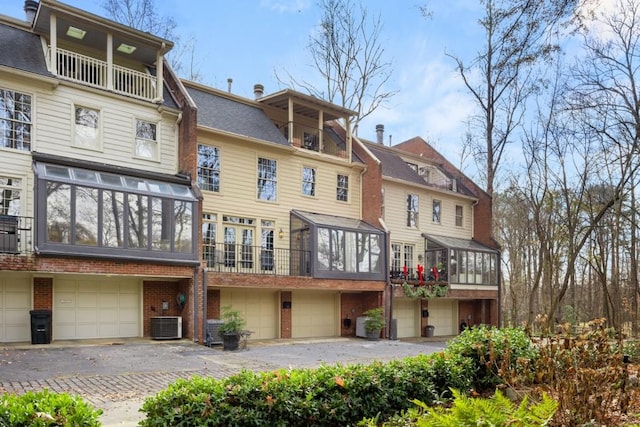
column 443, row 314
column 15, row 303
column 258, row 307
column 405, row 311
column 96, row 307
column 314, row 314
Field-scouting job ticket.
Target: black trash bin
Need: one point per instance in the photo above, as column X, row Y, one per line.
column 40, row 326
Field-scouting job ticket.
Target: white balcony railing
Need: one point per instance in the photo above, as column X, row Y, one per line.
column 94, row 72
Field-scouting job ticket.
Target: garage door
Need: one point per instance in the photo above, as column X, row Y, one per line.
column 15, row 303
column 96, row 307
column 314, row 314
column 259, row 308
column 405, row 311
column 443, row 314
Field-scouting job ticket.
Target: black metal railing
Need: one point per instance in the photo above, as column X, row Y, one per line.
column 245, row 259
column 16, row 235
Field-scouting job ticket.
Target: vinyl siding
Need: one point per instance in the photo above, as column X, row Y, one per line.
column 54, row 126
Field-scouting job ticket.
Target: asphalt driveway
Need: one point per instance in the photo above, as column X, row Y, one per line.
column 118, row 375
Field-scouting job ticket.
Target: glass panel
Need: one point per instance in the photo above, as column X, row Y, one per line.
column 309, row 181
column 229, row 247
column 135, row 183
column 209, row 238
column 267, row 179
column 159, row 187
column 350, row 252
column 86, row 127
column 342, row 190
column 181, row 190
column 161, row 217
column 183, row 224
column 337, row 250
column 324, row 251
column 58, row 212
column 463, row 266
column 110, row 179
column 376, row 250
column 208, row 168
column 146, row 141
column 453, row 266
column 478, row 267
column 396, row 260
column 364, row 251
column 137, row 217
column 10, row 196
column 86, row 232
column 266, row 255
column 247, row 249
column 15, row 120
column 84, row 175
column 57, row 171
column 112, row 218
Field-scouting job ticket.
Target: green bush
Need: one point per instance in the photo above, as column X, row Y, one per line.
column 329, row 395
column 471, row 412
column 44, row 408
column 492, row 350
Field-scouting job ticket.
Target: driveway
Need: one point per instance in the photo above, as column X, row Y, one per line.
column 118, row 376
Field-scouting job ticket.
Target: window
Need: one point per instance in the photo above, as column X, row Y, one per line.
column 209, row 223
column 15, row 120
column 412, row 210
column 436, row 211
column 459, row 215
column 396, row 259
column 86, row 128
column 413, row 166
column 267, row 248
column 208, row 168
column 146, row 140
column 408, row 259
column 308, row 181
column 267, row 179
column 349, row 251
column 88, row 212
column 10, row 196
column 342, row 190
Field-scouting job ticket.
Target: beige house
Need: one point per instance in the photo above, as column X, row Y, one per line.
column 439, row 236
column 282, row 235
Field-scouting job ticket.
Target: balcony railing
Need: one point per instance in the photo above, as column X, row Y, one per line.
column 308, row 138
column 94, row 72
column 16, row 235
column 244, row 259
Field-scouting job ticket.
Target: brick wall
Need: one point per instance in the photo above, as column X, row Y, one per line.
column 285, row 315
column 153, row 294
column 42, row 293
column 352, row 305
column 371, row 186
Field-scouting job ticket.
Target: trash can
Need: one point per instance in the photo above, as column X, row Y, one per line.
column 429, row 330
column 40, row 326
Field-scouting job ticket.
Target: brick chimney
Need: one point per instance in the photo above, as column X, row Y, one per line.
column 380, row 134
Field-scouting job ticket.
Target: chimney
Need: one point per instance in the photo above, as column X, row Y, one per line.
column 30, row 9
column 258, row 91
column 380, row 134
column 229, row 83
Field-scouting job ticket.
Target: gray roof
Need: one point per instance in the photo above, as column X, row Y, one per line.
column 393, row 166
column 435, row 242
column 336, row 221
column 218, row 112
column 22, row 50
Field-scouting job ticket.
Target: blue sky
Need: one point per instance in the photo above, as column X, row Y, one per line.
column 250, row 40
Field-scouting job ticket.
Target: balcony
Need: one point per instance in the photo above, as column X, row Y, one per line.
column 96, row 73
column 319, row 140
column 244, row 259
column 16, row 235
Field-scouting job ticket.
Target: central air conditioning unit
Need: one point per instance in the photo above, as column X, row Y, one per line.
column 360, row 330
column 166, row 327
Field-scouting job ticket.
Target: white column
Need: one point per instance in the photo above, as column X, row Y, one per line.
column 53, row 44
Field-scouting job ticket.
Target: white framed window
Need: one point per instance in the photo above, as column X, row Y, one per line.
column 10, row 191
column 209, row 168
column 342, row 188
column 146, row 145
column 459, row 216
column 437, row 205
column 267, row 179
column 412, row 210
column 86, row 127
column 15, row 120
column 308, row 181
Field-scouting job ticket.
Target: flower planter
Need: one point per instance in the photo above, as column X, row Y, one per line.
column 230, row 342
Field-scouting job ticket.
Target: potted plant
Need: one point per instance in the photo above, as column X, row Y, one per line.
column 231, row 328
column 374, row 322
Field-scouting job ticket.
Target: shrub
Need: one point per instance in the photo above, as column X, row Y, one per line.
column 44, row 408
column 492, row 350
column 472, row 412
column 329, row 395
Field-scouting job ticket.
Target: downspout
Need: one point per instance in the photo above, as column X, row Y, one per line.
column 205, row 302
column 195, row 304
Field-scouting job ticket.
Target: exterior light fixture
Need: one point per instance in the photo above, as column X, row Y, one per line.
column 126, row 48
column 76, row 33
column 281, row 233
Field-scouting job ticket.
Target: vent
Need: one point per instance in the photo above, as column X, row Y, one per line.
column 213, row 332
column 8, row 234
column 360, row 330
column 166, row 327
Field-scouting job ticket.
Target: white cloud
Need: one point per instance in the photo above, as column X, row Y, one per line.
column 285, row 6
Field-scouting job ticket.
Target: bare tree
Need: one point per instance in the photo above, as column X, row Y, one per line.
column 142, row 15
column 347, row 53
column 518, row 36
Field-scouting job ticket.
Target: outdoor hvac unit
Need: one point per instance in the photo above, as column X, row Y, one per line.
column 213, row 334
column 360, row 330
column 166, row 327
